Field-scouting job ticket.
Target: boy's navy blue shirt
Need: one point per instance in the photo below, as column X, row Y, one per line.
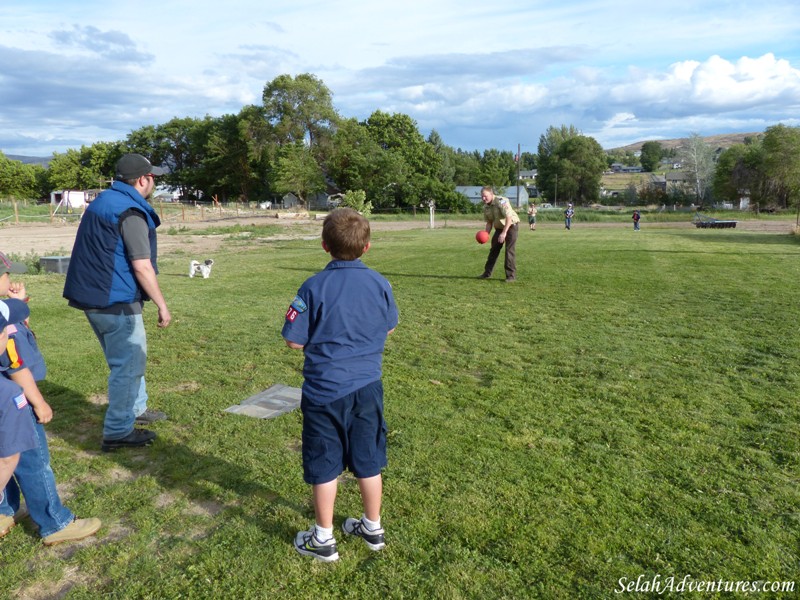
column 23, row 352
column 341, row 316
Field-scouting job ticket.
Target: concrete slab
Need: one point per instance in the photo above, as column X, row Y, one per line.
column 272, row 402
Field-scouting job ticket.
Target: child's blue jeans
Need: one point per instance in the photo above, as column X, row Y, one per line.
column 35, row 479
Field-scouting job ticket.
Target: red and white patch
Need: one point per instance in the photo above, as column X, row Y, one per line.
column 291, row 314
column 21, row 401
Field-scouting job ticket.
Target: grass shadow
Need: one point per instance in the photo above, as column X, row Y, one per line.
column 174, row 466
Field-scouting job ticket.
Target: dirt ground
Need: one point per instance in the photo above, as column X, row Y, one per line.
column 57, row 239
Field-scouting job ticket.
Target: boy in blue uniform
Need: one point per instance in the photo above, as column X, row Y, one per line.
column 340, row 318
column 23, row 363
column 16, row 431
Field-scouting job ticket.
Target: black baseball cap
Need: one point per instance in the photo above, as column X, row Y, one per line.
column 131, row 166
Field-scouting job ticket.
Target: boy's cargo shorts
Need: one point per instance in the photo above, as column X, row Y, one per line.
column 347, row 433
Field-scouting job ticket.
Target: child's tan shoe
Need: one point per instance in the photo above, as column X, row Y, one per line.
column 77, row 530
column 6, row 524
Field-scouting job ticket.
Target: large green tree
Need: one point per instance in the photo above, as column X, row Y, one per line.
column 91, row 167
column 398, row 133
column 299, row 108
column 741, row 172
column 238, row 157
column 298, row 172
column 570, row 165
column 467, row 168
column 650, row 156
column 20, row 181
column 498, row 168
column 782, row 163
column 356, row 161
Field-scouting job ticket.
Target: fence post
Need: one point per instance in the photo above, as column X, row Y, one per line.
column 16, row 213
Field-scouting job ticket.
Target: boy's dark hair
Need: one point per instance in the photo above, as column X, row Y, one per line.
column 345, row 233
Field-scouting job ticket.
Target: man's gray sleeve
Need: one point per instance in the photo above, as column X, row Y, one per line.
column 135, row 236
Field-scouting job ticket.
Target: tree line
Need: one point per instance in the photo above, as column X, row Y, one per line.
column 296, row 141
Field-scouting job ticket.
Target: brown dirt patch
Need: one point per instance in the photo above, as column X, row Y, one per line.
column 57, row 239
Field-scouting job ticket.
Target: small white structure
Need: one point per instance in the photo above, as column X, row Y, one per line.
column 71, row 199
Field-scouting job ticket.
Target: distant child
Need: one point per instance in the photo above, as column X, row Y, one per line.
column 636, row 217
column 22, row 363
column 532, row 216
column 568, row 214
column 340, row 318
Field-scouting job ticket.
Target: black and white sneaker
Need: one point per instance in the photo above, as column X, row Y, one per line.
column 372, row 537
column 306, row 543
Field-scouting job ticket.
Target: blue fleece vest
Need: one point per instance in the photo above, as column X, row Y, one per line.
column 100, row 273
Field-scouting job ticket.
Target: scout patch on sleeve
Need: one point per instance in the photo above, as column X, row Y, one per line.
column 503, row 201
column 295, row 308
column 299, row 305
column 14, row 358
column 21, row 401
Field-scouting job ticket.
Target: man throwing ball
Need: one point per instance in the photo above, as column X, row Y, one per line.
column 498, row 213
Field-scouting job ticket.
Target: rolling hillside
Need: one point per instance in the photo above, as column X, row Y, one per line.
column 725, row 140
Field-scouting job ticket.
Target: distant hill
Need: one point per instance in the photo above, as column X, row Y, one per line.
column 725, row 140
column 30, row 160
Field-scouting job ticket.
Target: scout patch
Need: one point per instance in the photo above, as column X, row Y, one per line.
column 15, row 359
column 295, row 308
column 21, row 401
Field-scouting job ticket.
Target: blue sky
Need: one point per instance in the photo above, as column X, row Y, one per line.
column 482, row 74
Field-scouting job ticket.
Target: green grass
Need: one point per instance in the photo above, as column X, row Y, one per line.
column 628, row 407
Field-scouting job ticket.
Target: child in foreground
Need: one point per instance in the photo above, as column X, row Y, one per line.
column 340, row 318
column 16, row 430
column 22, row 363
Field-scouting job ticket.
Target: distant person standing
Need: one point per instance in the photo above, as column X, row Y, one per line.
column 636, row 217
column 112, row 271
column 532, row 216
column 498, row 213
column 568, row 214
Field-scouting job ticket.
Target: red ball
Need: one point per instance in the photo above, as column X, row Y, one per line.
column 482, row 236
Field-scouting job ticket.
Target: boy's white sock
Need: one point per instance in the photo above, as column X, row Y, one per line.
column 371, row 525
column 323, row 534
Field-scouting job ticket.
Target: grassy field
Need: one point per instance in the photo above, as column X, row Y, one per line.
column 628, row 408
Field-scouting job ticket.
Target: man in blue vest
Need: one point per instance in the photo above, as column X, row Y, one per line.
column 112, row 271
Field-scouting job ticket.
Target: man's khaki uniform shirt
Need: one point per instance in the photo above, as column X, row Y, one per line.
column 498, row 210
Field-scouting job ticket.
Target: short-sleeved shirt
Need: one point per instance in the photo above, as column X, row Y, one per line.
column 16, row 426
column 341, row 316
column 22, row 352
column 498, row 211
column 133, row 227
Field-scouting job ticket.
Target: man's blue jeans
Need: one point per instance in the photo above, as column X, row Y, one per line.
column 124, row 342
column 35, row 478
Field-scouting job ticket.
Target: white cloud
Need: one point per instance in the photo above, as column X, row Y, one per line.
column 482, row 75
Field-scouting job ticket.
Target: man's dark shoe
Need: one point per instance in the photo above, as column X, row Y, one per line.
column 150, row 416
column 484, row 276
column 510, row 279
column 135, row 439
